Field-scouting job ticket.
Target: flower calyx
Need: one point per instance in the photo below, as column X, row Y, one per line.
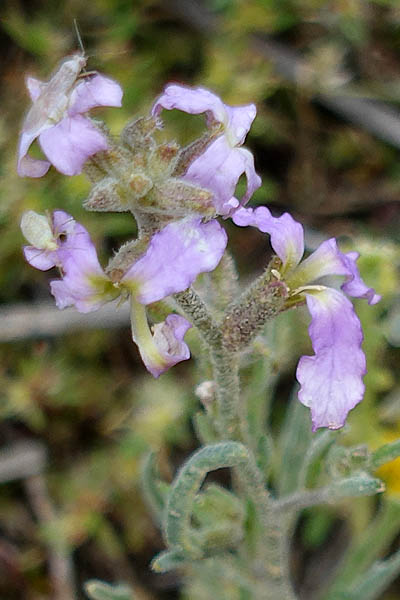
column 138, row 175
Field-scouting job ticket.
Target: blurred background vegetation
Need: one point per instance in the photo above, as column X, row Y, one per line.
column 326, row 80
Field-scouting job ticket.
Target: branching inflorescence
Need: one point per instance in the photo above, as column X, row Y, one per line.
column 176, row 195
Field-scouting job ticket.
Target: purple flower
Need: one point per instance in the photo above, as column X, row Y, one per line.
column 66, row 137
column 174, row 258
column 331, row 380
column 165, row 347
column 223, row 162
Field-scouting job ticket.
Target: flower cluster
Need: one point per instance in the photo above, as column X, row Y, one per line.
column 175, row 251
column 192, row 247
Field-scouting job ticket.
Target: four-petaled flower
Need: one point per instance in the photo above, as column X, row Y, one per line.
column 331, row 380
column 66, row 137
column 175, row 256
column 224, row 161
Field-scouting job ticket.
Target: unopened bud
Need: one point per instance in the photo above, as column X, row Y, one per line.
column 139, row 185
column 105, row 197
column 138, row 134
column 180, row 198
column 163, row 159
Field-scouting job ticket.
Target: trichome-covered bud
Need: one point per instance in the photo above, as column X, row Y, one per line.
column 163, row 159
column 179, row 198
column 137, row 135
column 140, row 185
column 105, row 197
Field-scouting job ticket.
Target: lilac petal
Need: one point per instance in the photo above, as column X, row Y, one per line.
column 35, row 87
column 27, row 166
column 84, row 283
column 39, row 258
column 240, row 119
column 70, row 143
column 63, row 223
column 175, row 257
column 355, row 286
column 253, row 180
column 236, row 119
column 329, row 260
column 287, row 235
column 95, row 91
column 219, row 169
column 168, row 338
column 331, row 380
column 190, row 100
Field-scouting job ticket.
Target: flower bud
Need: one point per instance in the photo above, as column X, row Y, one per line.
column 105, row 197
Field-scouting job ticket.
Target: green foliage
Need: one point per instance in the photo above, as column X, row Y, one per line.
column 179, row 535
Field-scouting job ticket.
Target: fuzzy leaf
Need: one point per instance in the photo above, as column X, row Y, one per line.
column 178, row 532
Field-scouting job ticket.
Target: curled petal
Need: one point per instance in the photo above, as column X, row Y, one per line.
column 190, row 100
column 329, row 260
column 354, row 285
column 237, row 120
column 240, row 119
column 219, row 169
column 39, row 258
column 168, row 338
column 287, row 235
column 69, row 144
column 95, row 91
column 175, row 257
column 84, row 283
column 27, row 166
column 331, row 380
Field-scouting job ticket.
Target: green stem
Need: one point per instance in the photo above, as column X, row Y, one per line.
column 269, row 565
column 225, row 366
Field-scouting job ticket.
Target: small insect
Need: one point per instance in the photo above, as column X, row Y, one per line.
column 51, row 98
column 58, row 117
column 47, row 234
column 38, row 230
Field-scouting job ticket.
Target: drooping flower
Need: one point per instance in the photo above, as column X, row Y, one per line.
column 331, row 380
column 174, row 258
column 224, row 161
column 66, row 137
column 163, row 348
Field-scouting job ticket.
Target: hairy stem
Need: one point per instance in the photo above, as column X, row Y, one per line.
column 269, row 564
